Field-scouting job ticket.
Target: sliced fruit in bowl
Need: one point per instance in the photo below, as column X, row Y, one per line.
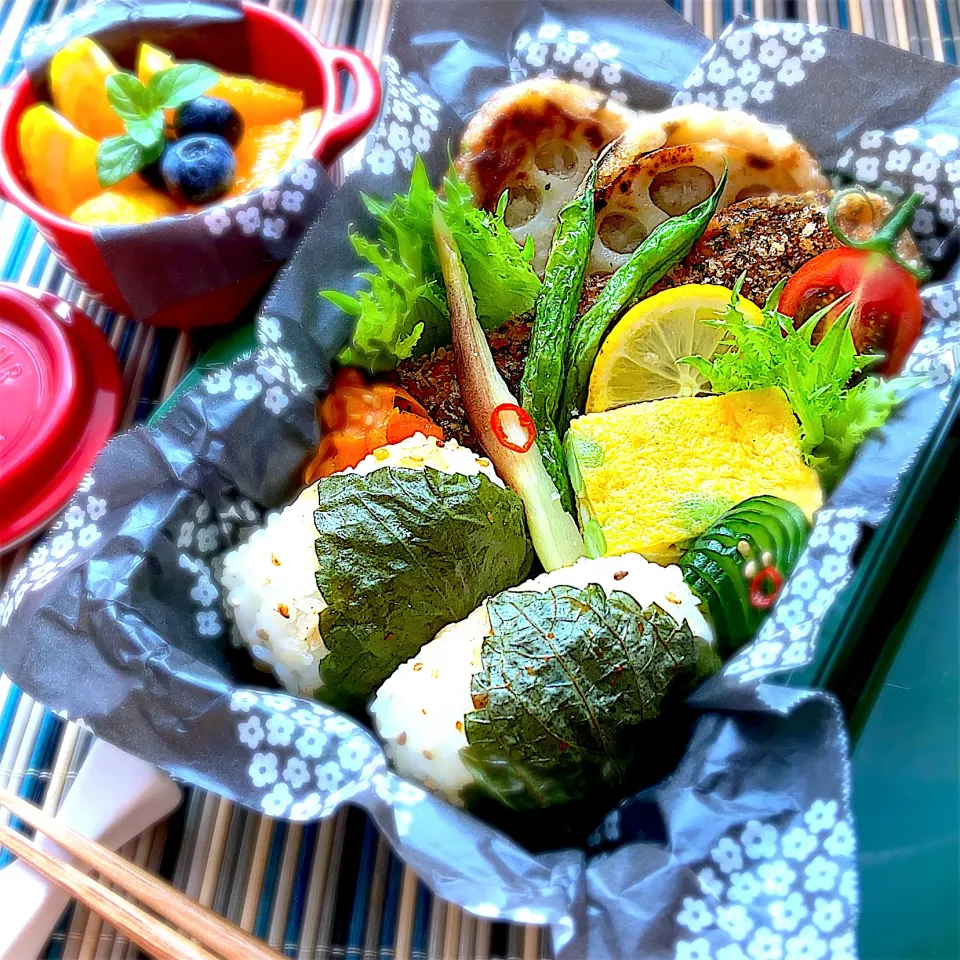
column 78, row 88
column 181, row 131
column 291, row 71
column 266, row 150
column 60, row 161
column 127, row 202
column 257, row 101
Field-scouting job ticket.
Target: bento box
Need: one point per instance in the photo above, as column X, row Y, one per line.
column 207, row 260
column 601, row 747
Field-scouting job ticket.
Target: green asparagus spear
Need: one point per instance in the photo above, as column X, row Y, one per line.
column 542, row 384
column 666, row 246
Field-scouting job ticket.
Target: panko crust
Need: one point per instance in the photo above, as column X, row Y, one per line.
column 670, row 181
column 768, row 239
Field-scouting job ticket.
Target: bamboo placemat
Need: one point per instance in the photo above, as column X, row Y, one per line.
column 333, row 889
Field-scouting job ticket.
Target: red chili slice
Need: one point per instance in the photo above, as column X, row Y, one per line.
column 524, row 422
column 765, row 587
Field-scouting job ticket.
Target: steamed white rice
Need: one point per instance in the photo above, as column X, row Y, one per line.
column 269, row 582
column 419, row 710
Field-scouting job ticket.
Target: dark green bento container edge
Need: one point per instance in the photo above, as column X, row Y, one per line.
column 842, row 641
column 223, row 352
column 849, row 658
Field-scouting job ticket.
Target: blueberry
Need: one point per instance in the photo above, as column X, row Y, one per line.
column 199, row 168
column 152, row 174
column 209, row 115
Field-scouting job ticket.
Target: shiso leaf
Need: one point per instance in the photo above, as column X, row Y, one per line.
column 569, row 678
column 403, row 553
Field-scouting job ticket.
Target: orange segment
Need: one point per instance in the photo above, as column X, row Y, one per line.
column 60, row 161
column 128, row 202
column 151, row 60
column 259, row 103
column 78, row 78
column 266, row 150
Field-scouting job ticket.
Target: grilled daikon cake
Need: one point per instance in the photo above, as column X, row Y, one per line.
column 652, row 476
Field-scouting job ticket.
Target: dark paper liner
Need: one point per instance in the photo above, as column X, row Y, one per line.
column 747, row 850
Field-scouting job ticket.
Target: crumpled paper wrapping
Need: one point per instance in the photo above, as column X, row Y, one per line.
column 748, row 848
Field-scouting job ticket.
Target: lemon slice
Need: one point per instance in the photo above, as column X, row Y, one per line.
column 638, row 360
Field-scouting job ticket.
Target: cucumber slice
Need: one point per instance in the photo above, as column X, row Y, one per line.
column 753, row 522
column 710, row 604
column 723, row 579
column 715, row 566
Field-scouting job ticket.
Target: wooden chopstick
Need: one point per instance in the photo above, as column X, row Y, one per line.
column 226, row 939
column 144, row 930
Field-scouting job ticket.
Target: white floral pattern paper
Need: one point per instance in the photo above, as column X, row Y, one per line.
column 755, row 65
column 747, row 857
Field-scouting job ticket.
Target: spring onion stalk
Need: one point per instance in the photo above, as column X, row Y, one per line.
column 553, row 531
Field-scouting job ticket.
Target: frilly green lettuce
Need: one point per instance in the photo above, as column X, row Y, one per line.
column 834, row 416
column 403, row 312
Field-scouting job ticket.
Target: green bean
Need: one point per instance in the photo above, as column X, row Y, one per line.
column 666, row 246
column 542, row 384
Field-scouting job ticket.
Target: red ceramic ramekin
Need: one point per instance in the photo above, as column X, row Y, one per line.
column 281, row 51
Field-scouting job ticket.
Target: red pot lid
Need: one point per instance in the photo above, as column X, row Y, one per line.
column 60, row 397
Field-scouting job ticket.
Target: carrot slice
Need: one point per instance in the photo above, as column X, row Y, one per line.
column 357, row 418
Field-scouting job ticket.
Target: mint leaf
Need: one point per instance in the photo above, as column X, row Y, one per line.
column 148, row 130
column 401, row 554
column 181, row 83
column 128, row 97
column 571, row 679
column 150, row 153
column 117, row 158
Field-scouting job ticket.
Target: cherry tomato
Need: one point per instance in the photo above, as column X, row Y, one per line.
column 887, row 311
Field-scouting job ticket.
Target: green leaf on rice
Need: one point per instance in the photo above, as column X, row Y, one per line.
column 403, row 553
column 569, row 678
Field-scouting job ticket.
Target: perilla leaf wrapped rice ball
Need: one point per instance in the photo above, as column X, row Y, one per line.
column 421, row 712
column 270, row 582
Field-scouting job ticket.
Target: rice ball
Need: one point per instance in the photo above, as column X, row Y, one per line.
column 269, row 582
column 419, row 710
